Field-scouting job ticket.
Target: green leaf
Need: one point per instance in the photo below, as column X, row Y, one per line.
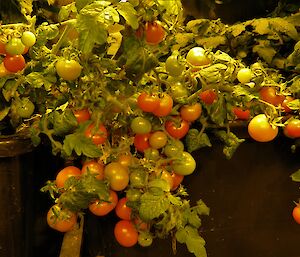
column 171, row 7
column 265, row 51
column 4, row 112
column 81, row 145
column 211, row 42
column 63, row 123
column 129, row 14
column 195, row 245
column 194, row 219
column 213, row 74
column 160, row 183
column 37, row 80
column 194, row 140
column 82, row 3
column 152, row 206
column 66, row 11
column 296, row 176
column 217, row 111
column 202, row 208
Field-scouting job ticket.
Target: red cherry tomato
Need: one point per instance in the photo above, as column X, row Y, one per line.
column 191, row 112
column 285, row 104
column 122, row 210
column 94, row 167
column 165, row 106
column 98, row 136
column 269, row 95
column 208, row 96
column 65, row 173
column 241, row 113
column 147, row 102
column 126, row 233
column 296, row 213
column 14, row 63
column 102, row 208
column 141, row 142
column 175, row 130
column 177, row 179
column 293, row 128
column 82, row 115
column 154, row 33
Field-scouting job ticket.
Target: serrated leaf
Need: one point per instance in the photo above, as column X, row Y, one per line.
column 160, row 183
column 37, row 80
column 202, row 208
column 195, row 245
column 194, row 140
column 129, row 14
column 296, row 176
column 65, row 11
column 152, row 206
column 63, row 123
column 171, row 7
column 265, row 51
column 82, row 3
column 217, row 111
column 181, row 235
column 211, row 42
column 194, row 219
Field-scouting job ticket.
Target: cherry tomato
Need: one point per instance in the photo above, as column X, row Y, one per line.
column 141, row 225
column 3, row 71
column 28, row 38
column 141, row 142
column 184, row 165
column 285, row 103
column 244, row 75
column 125, row 159
column 197, row 57
column 145, row 239
column 260, row 129
column 133, row 194
column 14, row 63
column 177, row 179
column 82, row 115
column 138, row 178
column 65, row 173
column 293, row 128
column 25, row 108
column 122, row 210
column 117, row 176
column 191, row 112
column 125, row 233
column 60, row 219
column 165, row 106
column 68, row 69
column 296, row 213
column 178, row 90
column 173, row 148
column 151, row 154
column 154, row 33
column 98, row 136
column 240, row 113
column 269, row 95
column 2, row 48
column 175, row 130
column 158, row 139
column 102, row 208
column 147, row 102
column 140, row 125
column 14, row 47
column 208, row 96
column 173, row 66
column 94, row 167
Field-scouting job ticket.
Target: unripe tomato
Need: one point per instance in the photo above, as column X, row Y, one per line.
column 102, row 208
column 197, row 57
column 244, row 75
column 140, row 125
column 154, row 33
column 173, row 66
column 28, row 38
column 185, row 164
column 25, row 108
column 68, row 69
column 260, row 129
column 125, row 159
column 158, row 139
column 14, row 47
column 191, row 112
column 14, row 63
column 178, row 90
column 117, row 176
column 173, row 148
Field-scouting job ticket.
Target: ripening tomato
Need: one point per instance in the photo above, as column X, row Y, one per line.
column 68, row 69
column 269, row 95
column 60, row 219
column 240, row 113
column 208, row 96
column 28, row 38
column 293, row 128
column 140, row 125
column 14, row 47
column 98, row 135
column 154, row 33
column 165, row 106
column 147, row 102
column 197, row 57
column 167, row 176
column 65, row 173
column 296, row 213
column 261, row 130
column 177, row 179
column 125, row 159
column 158, row 139
column 126, row 233
column 178, row 90
column 138, row 178
column 122, row 210
column 184, row 164
column 14, row 63
column 82, row 115
column 102, row 208
column 285, row 103
column 244, row 75
column 117, row 176
column 95, row 168
column 175, row 130
column 191, row 112
column 141, row 142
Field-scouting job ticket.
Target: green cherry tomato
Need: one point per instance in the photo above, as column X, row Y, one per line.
column 197, row 57
column 138, row 178
column 244, row 75
column 25, row 108
column 68, row 69
column 173, row 148
column 28, row 38
column 15, row 47
column 184, row 164
column 158, row 139
column 173, row 66
column 145, row 239
column 140, row 125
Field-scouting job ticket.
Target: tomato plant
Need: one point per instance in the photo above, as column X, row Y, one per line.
column 102, row 208
column 125, row 159
column 148, row 102
column 93, row 167
column 138, row 178
column 145, row 239
column 122, row 210
column 2, row 48
column 66, row 173
column 173, row 148
column 177, row 130
column 261, row 130
column 68, row 69
column 117, row 176
column 293, row 128
column 197, row 57
column 154, row 33
column 177, row 90
column 14, row 63
column 165, row 106
column 285, row 103
column 82, row 115
column 125, row 233
column 269, row 94
column 3, row 71
column 208, row 96
column 60, row 219
column 97, row 134
column 296, row 213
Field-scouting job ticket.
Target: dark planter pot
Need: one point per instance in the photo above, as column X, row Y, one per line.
column 14, row 192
